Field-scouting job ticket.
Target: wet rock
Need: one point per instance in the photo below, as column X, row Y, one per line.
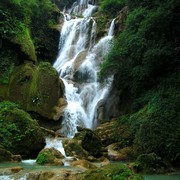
column 74, row 148
column 50, row 156
column 109, row 133
column 117, row 154
column 83, row 164
column 17, row 158
column 84, row 145
column 89, row 141
column 16, row 169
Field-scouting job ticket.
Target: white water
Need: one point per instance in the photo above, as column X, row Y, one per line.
column 56, row 143
column 78, row 65
column 111, row 29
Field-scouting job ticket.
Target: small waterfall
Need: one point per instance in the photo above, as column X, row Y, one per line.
column 78, row 65
column 111, row 29
column 56, row 143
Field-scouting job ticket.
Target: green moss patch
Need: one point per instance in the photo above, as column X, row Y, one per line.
column 112, row 171
column 19, row 133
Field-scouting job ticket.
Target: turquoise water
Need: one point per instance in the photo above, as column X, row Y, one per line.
column 173, row 176
column 33, row 166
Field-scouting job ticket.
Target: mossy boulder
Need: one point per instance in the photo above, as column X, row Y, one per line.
column 19, row 133
column 50, row 156
column 74, row 148
column 38, row 88
column 89, row 141
column 85, row 145
column 112, row 171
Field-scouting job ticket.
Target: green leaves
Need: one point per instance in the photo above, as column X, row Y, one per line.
column 145, row 61
column 111, row 7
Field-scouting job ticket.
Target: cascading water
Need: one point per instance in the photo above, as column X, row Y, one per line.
column 78, row 65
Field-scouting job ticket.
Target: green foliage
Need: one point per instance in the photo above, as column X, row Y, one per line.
column 18, row 19
column 64, row 3
column 157, row 125
column 41, row 159
column 24, row 39
column 145, row 60
column 111, row 7
column 16, row 126
column 150, row 163
column 146, row 50
column 112, row 171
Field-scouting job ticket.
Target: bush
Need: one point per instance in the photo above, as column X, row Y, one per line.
column 111, row 7
column 157, row 125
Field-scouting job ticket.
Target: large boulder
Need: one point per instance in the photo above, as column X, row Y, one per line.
column 118, row 139
column 90, row 141
column 38, row 88
column 19, row 133
column 50, row 156
column 85, row 144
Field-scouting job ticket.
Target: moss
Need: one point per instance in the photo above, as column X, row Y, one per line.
column 19, row 133
column 23, row 25
column 89, row 141
column 36, row 88
column 113, row 171
column 102, row 24
column 74, row 148
column 23, row 38
column 109, row 133
column 48, row 156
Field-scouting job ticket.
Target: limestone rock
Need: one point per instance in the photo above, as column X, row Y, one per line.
column 84, row 145
column 83, row 163
column 116, row 154
column 38, row 89
column 90, row 141
column 112, row 132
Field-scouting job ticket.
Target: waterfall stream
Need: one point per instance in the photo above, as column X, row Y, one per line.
column 78, row 65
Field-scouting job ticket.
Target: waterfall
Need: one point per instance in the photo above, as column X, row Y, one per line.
column 56, row 143
column 78, row 65
column 111, row 29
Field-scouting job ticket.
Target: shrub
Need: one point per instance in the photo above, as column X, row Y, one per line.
column 111, row 7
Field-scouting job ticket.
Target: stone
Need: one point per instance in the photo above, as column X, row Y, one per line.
column 50, row 156
column 83, row 164
column 38, row 89
column 16, row 169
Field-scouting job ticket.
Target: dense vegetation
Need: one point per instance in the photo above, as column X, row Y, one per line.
column 145, row 60
column 16, row 126
column 27, row 32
